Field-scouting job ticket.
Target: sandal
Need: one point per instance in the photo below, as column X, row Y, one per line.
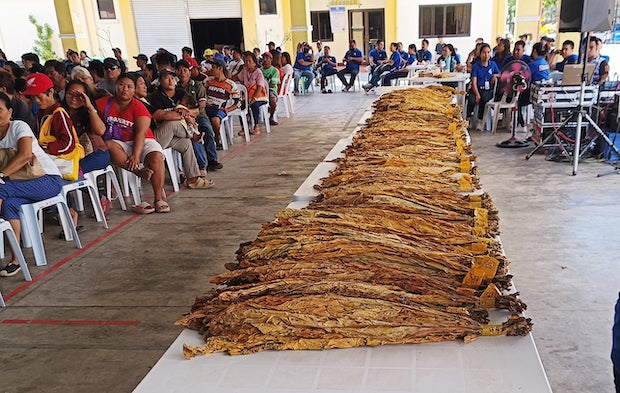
column 201, row 182
column 162, row 207
column 255, row 131
column 143, row 208
column 105, row 205
column 241, row 133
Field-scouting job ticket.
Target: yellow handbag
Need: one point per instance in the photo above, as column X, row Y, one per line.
column 68, row 164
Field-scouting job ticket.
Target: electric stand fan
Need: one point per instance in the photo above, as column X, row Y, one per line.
column 514, row 80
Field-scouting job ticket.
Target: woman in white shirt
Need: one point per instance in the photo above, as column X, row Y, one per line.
column 13, row 193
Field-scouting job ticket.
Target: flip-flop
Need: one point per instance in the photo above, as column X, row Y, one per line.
column 143, row 208
column 162, row 207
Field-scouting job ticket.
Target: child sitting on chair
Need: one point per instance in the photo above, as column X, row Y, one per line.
column 188, row 101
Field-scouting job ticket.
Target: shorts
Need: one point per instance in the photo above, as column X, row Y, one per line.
column 150, row 145
column 273, row 95
column 213, row 111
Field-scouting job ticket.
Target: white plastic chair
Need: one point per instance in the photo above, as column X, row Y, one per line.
column 171, row 164
column 6, row 229
column 32, row 226
column 111, row 181
column 285, row 96
column 227, row 124
column 496, row 108
column 77, row 186
column 131, row 185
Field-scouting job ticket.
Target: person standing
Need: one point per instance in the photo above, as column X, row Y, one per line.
column 439, row 46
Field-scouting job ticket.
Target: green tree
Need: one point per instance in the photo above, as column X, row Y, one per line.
column 511, row 8
column 549, row 17
column 43, row 43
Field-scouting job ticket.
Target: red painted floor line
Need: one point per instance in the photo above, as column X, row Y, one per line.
column 70, row 257
column 76, row 322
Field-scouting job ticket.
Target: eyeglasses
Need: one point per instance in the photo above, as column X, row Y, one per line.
column 111, row 68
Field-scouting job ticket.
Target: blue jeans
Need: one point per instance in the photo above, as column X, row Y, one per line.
column 201, row 157
column 298, row 74
column 204, row 125
column 255, row 108
column 376, row 74
column 99, row 159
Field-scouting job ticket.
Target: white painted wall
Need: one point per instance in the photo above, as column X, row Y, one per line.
column 269, row 28
column 407, row 24
column 17, row 34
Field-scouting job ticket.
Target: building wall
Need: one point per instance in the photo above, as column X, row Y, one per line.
column 269, row 28
column 482, row 22
column 17, row 34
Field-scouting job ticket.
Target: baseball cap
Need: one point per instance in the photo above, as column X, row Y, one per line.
column 207, row 52
column 217, row 62
column 271, row 43
column 37, row 83
column 111, row 62
column 142, row 56
column 164, row 71
column 268, row 54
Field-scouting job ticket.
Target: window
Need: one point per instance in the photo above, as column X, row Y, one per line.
column 321, row 26
column 267, row 7
column 106, row 9
column 445, row 20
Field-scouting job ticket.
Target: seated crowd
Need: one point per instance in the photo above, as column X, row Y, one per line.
column 81, row 114
column 485, row 63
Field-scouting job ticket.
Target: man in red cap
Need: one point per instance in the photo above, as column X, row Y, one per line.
column 41, row 89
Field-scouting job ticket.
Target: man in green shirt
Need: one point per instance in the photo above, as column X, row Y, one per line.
column 272, row 77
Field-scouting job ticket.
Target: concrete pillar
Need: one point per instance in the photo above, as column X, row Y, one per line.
column 499, row 18
column 391, row 25
column 125, row 15
column 527, row 18
column 300, row 20
column 248, row 21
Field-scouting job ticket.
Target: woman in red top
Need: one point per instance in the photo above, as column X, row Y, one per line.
column 131, row 141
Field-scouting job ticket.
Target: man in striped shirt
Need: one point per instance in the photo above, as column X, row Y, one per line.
column 222, row 96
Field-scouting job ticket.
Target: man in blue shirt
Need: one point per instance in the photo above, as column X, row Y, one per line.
column 567, row 54
column 394, row 63
column 518, row 53
column 539, row 68
column 327, row 66
column 377, row 56
column 352, row 59
column 303, row 67
column 424, row 55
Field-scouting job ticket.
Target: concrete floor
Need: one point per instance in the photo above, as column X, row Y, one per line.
column 98, row 320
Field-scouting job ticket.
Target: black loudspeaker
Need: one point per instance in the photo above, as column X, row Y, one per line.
column 587, row 15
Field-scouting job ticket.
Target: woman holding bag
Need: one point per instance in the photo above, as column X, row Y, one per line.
column 13, row 193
